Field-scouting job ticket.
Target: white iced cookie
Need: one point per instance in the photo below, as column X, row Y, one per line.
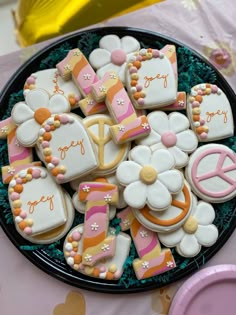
column 40, row 207
column 211, row 173
column 210, row 113
column 170, row 219
column 196, row 232
column 66, row 147
column 112, row 55
column 51, row 81
column 109, row 269
column 150, row 79
column 171, row 132
column 110, row 154
column 31, row 114
column 149, row 178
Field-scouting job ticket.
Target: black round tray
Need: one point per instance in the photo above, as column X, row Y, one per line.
column 41, row 255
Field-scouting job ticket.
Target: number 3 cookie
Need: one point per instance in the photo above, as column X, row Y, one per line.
column 211, row 172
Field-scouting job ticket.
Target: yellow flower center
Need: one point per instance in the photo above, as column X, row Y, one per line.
column 148, row 175
column 191, row 225
column 41, row 114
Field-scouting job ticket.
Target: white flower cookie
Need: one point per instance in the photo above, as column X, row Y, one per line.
column 43, row 212
column 38, row 107
column 171, row 132
column 149, row 178
column 113, row 54
column 51, row 81
column 210, row 113
column 211, row 173
column 196, row 232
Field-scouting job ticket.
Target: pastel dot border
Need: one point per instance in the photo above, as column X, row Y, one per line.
column 15, row 189
column 195, row 99
column 135, row 63
column 45, row 137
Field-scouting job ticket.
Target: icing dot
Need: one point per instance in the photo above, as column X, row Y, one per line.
column 47, row 128
column 18, row 188
column 139, row 58
column 50, row 166
column 199, row 92
column 141, row 101
column 43, row 174
column 102, row 269
column 23, row 214
column 12, row 183
column 76, row 266
column 29, row 222
column 76, row 236
column 133, row 70
column 139, row 87
column 132, row 59
column 64, row 119
column 196, row 124
column 77, row 98
column 117, row 274
column 202, row 121
column 214, row 89
column 143, row 52
column 19, row 180
column 68, row 247
column 155, row 53
column 17, row 203
column 191, row 225
column 60, row 177
column 28, row 230
column 15, row 196
column 113, row 268
column 148, row 175
column 72, row 253
column 18, row 219
column 55, row 161
column 62, row 169
column 30, row 80
column 161, row 55
column 203, row 135
column 195, row 104
column 66, row 254
column 208, row 91
column 74, row 244
column 88, row 270
column 23, row 173
column 50, row 121
column 203, row 86
column 118, row 57
column 70, row 261
column 57, row 123
column 42, row 131
column 218, row 91
column 196, row 111
column 45, row 144
column 71, row 120
column 103, row 275
column 169, row 139
column 133, row 89
column 134, row 76
column 36, row 173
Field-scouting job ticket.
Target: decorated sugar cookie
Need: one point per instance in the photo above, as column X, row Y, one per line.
column 66, row 147
column 6, row 127
column 77, row 67
column 38, row 107
column 110, row 268
column 150, row 79
column 110, row 154
column 128, row 126
column 39, row 205
column 171, row 132
column 170, row 219
column 153, row 260
column 211, row 173
column 210, row 113
column 112, row 54
column 196, row 232
column 51, row 81
column 149, row 178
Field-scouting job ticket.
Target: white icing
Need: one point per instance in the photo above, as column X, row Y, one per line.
column 76, row 163
column 176, row 123
column 157, row 95
column 51, row 81
column 157, row 194
column 206, row 234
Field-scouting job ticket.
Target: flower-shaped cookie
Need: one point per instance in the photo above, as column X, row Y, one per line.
column 113, row 54
column 38, row 107
column 196, row 232
column 149, row 178
column 171, row 132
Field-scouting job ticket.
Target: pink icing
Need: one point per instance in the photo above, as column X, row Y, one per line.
column 28, row 230
column 23, row 214
column 103, row 254
column 18, row 180
column 169, row 139
column 133, row 70
column 103, row 269
column 55, row 161
column 96, row 209
column 15, row 196
column 30, row 80
column 45, row 144
column 195, row 104
column 36, row 173
column 214, row 88
column 203, row 135
column 141, row 101
column 84, row 83
column 64, row 119
column 76, row 236
column 118, row 57
column 220, row 171
column 139, row 87
column 144, row 246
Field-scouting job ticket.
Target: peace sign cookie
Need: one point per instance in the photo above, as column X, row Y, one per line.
column 211, row 172
column 210, row 113
column 110, row 154
column 170, row 219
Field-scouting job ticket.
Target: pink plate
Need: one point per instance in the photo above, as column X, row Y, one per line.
column 211, row 291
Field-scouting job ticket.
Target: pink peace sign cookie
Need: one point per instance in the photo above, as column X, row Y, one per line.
column 211, row 173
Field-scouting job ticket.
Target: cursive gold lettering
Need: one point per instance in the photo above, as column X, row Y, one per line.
column 33, row 204
column 159, row 76
column 219, row 112
column 73, row 144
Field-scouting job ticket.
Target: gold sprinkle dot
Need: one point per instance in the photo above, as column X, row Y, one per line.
column 113, row 268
